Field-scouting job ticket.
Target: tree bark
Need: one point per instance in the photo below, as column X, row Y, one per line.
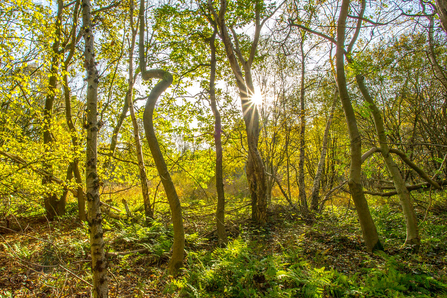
column 418, row 170
column 439, row 73
column 302, row 183
column 441, row 9
column 176, row 260
column 255, row 167
column 220, row 211
column 139, row 151
column 53, row 206
column 99, row 262
column 399, row 183
column 314, row 197
column 369, row 230
column 80, row 195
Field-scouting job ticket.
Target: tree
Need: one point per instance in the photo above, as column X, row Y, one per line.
column 68, row 112
column 220, row 211
column 165, row 77
column 369, row 230
column 314, row 197
column 399, row 183
column 129, row 99
column 94, row 218
column 255, row 167
column 53, row 206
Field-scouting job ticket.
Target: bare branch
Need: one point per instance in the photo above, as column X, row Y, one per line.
column 412, row 165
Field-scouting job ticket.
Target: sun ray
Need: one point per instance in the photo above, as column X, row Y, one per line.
column 257, row 97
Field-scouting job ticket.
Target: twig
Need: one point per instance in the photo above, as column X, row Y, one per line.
column 112, row 207
column 15, row 218
column 122, row 253
column 14, row 231
column 330, row 192
column 78, row 277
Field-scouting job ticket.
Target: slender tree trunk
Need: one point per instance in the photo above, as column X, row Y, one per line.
column 165, row 77
column 220, row 211
column 80, row 195
column 369, row 230
column 117, row 127
column 99, row 262
column 302, row 183
column 74, row 139
column 139, row 151
column 286, row 148
column 63, row 200
column 314, row 197
column 255, row 167
column 51, row 201
column 399, row 183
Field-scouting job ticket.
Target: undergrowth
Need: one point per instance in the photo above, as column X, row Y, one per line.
column 284, row 258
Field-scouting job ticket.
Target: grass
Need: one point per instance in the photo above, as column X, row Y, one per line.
column 284, row 258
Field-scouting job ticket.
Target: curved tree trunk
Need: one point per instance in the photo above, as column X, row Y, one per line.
column 369, row 230
column 99, row 262
column 139, row 151
column 220, row 211
column 399, row 183
column 176, row 260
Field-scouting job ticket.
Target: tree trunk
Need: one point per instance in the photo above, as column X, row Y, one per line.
column 99, row 262
column 439, row 72
column 399, row 183
column 220, row 211
column 80, row 195
column 314, row 197
column 302, row 183
column 369, row 230
column 52, row 204
column 63, row 200
column 255, row 167
column 286, row 149
column 176, row 260
column 441, row 9
column 74, row 139
column 139, row 151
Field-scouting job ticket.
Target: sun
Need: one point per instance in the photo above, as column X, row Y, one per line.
column 256, row 98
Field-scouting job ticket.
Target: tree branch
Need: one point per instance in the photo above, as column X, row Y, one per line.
column 412, row 165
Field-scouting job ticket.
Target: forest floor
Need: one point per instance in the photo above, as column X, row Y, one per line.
column 287, row 257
